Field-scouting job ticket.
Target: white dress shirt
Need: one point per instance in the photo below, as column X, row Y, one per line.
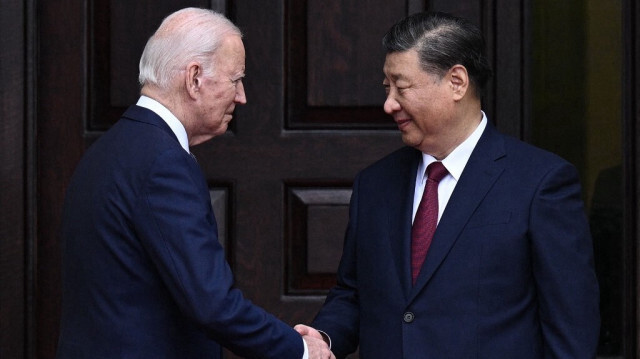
column 454, row 163
column 171, row 120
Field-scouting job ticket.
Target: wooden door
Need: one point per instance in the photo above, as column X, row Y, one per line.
column 280, row 177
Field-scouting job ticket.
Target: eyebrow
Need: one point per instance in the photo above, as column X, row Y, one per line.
column 395, row 77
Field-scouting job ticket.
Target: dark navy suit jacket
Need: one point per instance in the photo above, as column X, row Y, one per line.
column 144, row 275
column 509, row 273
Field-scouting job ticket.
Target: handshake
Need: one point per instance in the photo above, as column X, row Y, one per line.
column 318, row 347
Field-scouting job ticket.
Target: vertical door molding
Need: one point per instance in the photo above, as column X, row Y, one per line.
column 506, row 25
column 631, row 170
column 13, row 190
column 509, row 28
column 60, row 106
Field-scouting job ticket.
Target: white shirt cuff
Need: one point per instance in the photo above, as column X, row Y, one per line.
column 306, row 350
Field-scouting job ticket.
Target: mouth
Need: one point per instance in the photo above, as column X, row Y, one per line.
column 402, row 122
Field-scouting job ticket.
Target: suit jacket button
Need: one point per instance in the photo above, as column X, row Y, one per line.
column 408, row 317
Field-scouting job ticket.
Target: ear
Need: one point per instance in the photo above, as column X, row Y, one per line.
column 193, row 79
column 459, row 78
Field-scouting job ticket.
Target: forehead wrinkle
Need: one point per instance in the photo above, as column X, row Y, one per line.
column 396, row 63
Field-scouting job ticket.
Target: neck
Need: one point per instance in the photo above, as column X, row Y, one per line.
column 168, row 100
column 465, row 122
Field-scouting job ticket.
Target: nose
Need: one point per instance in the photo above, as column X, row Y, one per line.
column 241, row 97
column 391, row 105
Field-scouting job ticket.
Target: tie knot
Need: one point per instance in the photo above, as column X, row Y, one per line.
column 436, row 171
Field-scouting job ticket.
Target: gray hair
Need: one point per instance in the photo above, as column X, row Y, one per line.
column 189, row 34
column 442, row 41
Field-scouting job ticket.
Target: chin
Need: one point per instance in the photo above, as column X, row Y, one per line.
column 410, row 140
column 220, row 130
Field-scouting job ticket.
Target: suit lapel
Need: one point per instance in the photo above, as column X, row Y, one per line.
column 400, row 213
column 479, row 175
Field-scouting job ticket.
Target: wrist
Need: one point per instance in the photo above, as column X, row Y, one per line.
column 326, row 338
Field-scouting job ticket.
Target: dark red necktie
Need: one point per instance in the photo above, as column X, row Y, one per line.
column 426, row 220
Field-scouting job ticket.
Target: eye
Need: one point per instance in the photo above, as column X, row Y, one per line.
column 386, row 86
column 402, row 85
column 236, row 81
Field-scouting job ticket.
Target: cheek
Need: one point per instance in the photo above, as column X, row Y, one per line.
column 217, row 103
column 429, row 118
column 225, row 98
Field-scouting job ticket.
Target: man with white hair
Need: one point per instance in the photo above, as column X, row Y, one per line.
column 144, row 275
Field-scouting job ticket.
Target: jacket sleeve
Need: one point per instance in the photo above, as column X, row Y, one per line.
column 563, row 267
column 174, row 220
column 340, row 314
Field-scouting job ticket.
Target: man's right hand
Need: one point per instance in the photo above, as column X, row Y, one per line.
column 318, row 349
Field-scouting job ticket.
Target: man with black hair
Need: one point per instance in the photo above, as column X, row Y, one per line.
column 466, row 243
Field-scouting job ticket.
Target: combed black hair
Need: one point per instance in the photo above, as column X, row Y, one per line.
column 442, row 41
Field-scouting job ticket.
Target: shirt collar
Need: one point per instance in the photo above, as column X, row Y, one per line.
column 457, row 159
column 171, row 120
